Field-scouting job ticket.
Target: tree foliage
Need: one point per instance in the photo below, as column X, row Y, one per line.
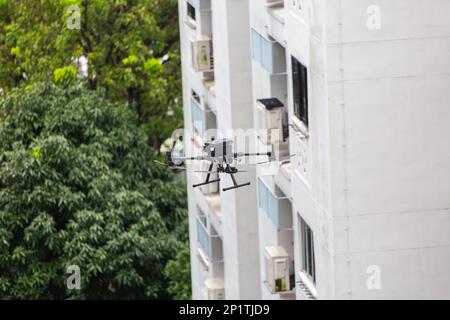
column 78, row 187
column 124, row 42
column 178, row 272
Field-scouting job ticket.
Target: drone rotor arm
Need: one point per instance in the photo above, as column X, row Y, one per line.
column 186, row 158
column 242, row 154
column 169, row 166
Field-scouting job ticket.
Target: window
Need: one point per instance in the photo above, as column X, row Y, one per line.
column 300, row 90
column 195, row 96
column 274, row 204
column 203, row 236
column 256, row 46
column 269, row 54
column 268, row 203
column 191, row 11
column 198, row 115
column 203, row 119
column 307, row 242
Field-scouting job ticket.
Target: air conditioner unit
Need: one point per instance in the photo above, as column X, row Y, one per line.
column 202, row 56
column 270, row 120
column 214, row 289
column 277, row 269
column 280, row 151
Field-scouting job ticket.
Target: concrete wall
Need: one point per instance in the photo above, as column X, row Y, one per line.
column 310, row 181
column 372, row 177
column 234, row 100
column 390, row 156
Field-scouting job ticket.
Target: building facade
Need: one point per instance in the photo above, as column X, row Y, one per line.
column 353, row 96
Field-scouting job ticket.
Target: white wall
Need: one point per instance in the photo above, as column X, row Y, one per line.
column 388, row 101
column 234, row 104
column 310, row 182
column 372, row 179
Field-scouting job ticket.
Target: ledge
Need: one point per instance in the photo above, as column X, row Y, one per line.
column 299, row 128
column 306, row 286
column 203, row 257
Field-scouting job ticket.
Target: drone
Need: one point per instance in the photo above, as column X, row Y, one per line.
column 219, row 153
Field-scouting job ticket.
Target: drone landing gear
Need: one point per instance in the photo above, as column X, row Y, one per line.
column 235, row 184
column 205, row 183
column 207, row 179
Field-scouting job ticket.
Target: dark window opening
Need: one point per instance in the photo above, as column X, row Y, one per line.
column 191, row 11
column 195, row 96
column 308, row 263
column 300, row 90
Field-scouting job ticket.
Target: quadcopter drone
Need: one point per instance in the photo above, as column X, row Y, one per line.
column 219, row 153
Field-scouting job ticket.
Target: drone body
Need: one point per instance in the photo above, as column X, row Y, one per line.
column 219, row 153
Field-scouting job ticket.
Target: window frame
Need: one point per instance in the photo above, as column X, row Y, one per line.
column 308, row 264
column 191, row 11
column 300, row 99
column 198, row 115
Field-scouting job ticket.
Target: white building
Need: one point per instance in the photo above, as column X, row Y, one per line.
column 359, row 205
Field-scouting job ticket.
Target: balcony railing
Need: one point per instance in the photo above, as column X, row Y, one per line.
column 203, row 119
column 269, row 54
column 274, row 203
column 210, row 244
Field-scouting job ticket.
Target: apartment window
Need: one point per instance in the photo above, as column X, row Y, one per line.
column 203, row 237
column 274, row 203
column 191, row 11
column 307, row 239
column 195, row 96
column 198, row 116
column 203, row 119
column 300, row 90
column 269, row 54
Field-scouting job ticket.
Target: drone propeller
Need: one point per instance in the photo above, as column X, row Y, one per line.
column 200, row 171
column 288, row 157
column 258, row 163
column 171, row 167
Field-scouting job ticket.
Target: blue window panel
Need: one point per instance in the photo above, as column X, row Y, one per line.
column 264, row 194
column 262, row 191
column 198, row 117
column 269, row 203
column 204, row 239
column 265, row 199
column 273, row 210
column 267, row 55
column 259, row 193
column 256, row 46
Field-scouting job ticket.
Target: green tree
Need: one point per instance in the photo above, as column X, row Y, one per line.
column 78, row 186
column 178, row 273
column 124, row 41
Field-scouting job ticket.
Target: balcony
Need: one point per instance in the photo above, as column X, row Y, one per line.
column 211, row 245
column 274, row 203
column 270, row 54
column 209, row 93
column 203, row 119
column 209, row 202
